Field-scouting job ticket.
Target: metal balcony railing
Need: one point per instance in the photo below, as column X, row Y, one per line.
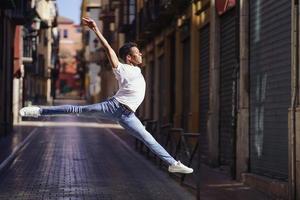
column 8, row 4
column 127, row 15
column 157, row 13
column 21, row 12
column 27, row 50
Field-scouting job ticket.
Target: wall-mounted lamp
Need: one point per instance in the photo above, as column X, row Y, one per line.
column 36, row 24
column 112, row 27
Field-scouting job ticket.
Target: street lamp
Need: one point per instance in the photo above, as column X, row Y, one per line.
column 36, row 24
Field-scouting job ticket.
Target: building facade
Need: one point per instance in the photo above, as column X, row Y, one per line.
column 115, row 20
column 10, row 15
column 91, row 51
column 70, row 45
column 225, row 69
column 40, row 58
column 27, row 56
column 229, row 70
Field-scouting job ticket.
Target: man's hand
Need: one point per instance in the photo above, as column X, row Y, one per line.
column 90, row 23
column 112, row 56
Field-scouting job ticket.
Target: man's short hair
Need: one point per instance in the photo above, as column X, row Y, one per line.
column 125, row 50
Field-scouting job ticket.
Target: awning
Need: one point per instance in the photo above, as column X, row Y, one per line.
column 223, row 5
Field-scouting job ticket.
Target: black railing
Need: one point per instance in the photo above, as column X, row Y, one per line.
column 19, row 9
column 127, row 15
column 27, row 47
column 29, row 44
column 157, row 13
column 21, row 12
column 8, row 4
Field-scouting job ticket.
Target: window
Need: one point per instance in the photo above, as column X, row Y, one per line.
column 131, row 11
column 65, row 33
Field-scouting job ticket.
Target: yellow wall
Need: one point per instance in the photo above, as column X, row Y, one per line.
column 160, row 45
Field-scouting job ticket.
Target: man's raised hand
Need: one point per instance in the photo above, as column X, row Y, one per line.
column 112, row 56
column 90, row 23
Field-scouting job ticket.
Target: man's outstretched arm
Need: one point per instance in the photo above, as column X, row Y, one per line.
column 112, row 56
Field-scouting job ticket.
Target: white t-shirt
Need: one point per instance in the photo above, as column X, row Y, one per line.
column 132, row 85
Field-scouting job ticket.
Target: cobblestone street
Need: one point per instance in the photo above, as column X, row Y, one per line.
column 74, row 161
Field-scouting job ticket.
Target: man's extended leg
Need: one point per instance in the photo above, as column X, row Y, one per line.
column 104, row 109
column 134, row 126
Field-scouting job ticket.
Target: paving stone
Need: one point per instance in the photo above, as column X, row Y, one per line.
column 84, row 163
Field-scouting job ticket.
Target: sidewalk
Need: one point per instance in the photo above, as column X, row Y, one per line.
column 214, row 184
column 70, row 160
column 12, row 143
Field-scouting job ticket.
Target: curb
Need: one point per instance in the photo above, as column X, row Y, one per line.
column 16, row 150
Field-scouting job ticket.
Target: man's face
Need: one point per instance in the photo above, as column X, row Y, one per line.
column 135, row 56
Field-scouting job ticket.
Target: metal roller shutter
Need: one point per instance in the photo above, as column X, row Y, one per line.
column 227, row 65
column 204, row 88
column 270, row 86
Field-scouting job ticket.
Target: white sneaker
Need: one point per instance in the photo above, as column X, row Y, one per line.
column 31, row 111
column 180, row 168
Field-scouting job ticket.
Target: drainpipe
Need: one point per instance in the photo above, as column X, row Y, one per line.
column 294, row 101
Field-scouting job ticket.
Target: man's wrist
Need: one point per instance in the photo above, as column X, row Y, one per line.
column 96, row 30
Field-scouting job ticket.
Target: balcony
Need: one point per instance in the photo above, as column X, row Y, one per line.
column 155, row 15
column 22, row 12
column 8, row 4
column 29, row 44
column 19, row 9
column 108, row 17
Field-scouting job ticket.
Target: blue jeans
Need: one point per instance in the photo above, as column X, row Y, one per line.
column 113, row 110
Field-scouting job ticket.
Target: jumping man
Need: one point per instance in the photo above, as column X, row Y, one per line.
column 123, row 104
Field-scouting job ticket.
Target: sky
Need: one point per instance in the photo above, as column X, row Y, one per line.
column 70, row 9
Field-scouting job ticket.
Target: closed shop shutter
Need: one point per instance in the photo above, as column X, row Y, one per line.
column 270, row 86
column 204, row 88
column 227, row 65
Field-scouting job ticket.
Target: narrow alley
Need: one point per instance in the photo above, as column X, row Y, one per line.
column 73, row 158
column 208, row 91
